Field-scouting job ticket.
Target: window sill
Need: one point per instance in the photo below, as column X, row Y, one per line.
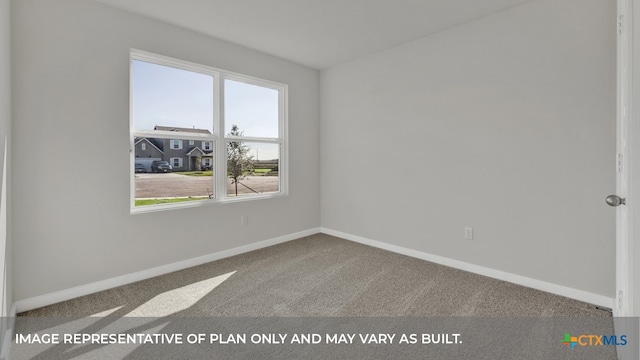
column 200, row 203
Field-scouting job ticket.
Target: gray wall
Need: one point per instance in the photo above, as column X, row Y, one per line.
column 71, row 149
column 505, row 124
column 635, row 158
column 6, row 296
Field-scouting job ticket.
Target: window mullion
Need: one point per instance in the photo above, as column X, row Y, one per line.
column 220, row 144
column 253, row 139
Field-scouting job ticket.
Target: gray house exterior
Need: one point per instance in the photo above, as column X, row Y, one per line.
column 182, row 155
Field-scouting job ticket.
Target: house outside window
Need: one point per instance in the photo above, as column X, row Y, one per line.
column 243, row 148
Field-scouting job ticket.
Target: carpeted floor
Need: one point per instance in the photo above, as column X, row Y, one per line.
column 326, row 287
column 321, row 275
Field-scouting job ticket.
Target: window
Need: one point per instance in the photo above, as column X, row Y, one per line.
column 239, row 122
column 177, row 163
column 176, row 144
column 252, row 137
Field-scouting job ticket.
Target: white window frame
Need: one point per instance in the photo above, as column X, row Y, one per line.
column 173, row 162
column 143, row 146
column 218, row 139
column 179, row 143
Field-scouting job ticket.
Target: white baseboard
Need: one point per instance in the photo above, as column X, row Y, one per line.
column 572, row 293
column 82, row 290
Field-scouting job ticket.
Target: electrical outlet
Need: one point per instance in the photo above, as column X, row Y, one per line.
column 468, row 233
column 244, row 220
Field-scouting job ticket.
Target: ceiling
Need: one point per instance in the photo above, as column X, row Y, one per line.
column 316, row 33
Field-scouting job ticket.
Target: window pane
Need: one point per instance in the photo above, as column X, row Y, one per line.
column 164, row 174
column 172, row 98
column 254, row 109
column 252, row 168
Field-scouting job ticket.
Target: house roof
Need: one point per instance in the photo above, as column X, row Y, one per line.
column 139, row 140
column 181, row 129
column 195, row 149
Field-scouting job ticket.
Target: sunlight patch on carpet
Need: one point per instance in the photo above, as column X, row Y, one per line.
column 106, row 312
column 176, row 300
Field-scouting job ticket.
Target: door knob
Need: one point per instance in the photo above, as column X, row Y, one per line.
column 615, row 200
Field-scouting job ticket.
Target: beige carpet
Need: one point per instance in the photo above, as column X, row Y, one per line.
column 321, row 275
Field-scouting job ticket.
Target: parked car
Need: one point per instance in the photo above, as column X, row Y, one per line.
column 140, row 168
column 160, row 166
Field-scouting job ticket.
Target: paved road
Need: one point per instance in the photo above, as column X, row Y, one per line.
column 151, row 185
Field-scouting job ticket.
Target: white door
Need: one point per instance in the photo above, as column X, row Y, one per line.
column 621, row 307
column 622, row 200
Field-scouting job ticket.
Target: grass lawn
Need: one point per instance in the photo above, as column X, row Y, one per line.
column 257, row 172
column 196, row 173
column 261, row 171
column 144, row 202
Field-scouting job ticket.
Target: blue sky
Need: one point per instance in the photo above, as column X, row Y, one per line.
column 253, row 108
column 168, row 96
column 172, row 97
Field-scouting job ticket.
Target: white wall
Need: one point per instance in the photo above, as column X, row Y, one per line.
column 505, row 124
column 71, row 149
